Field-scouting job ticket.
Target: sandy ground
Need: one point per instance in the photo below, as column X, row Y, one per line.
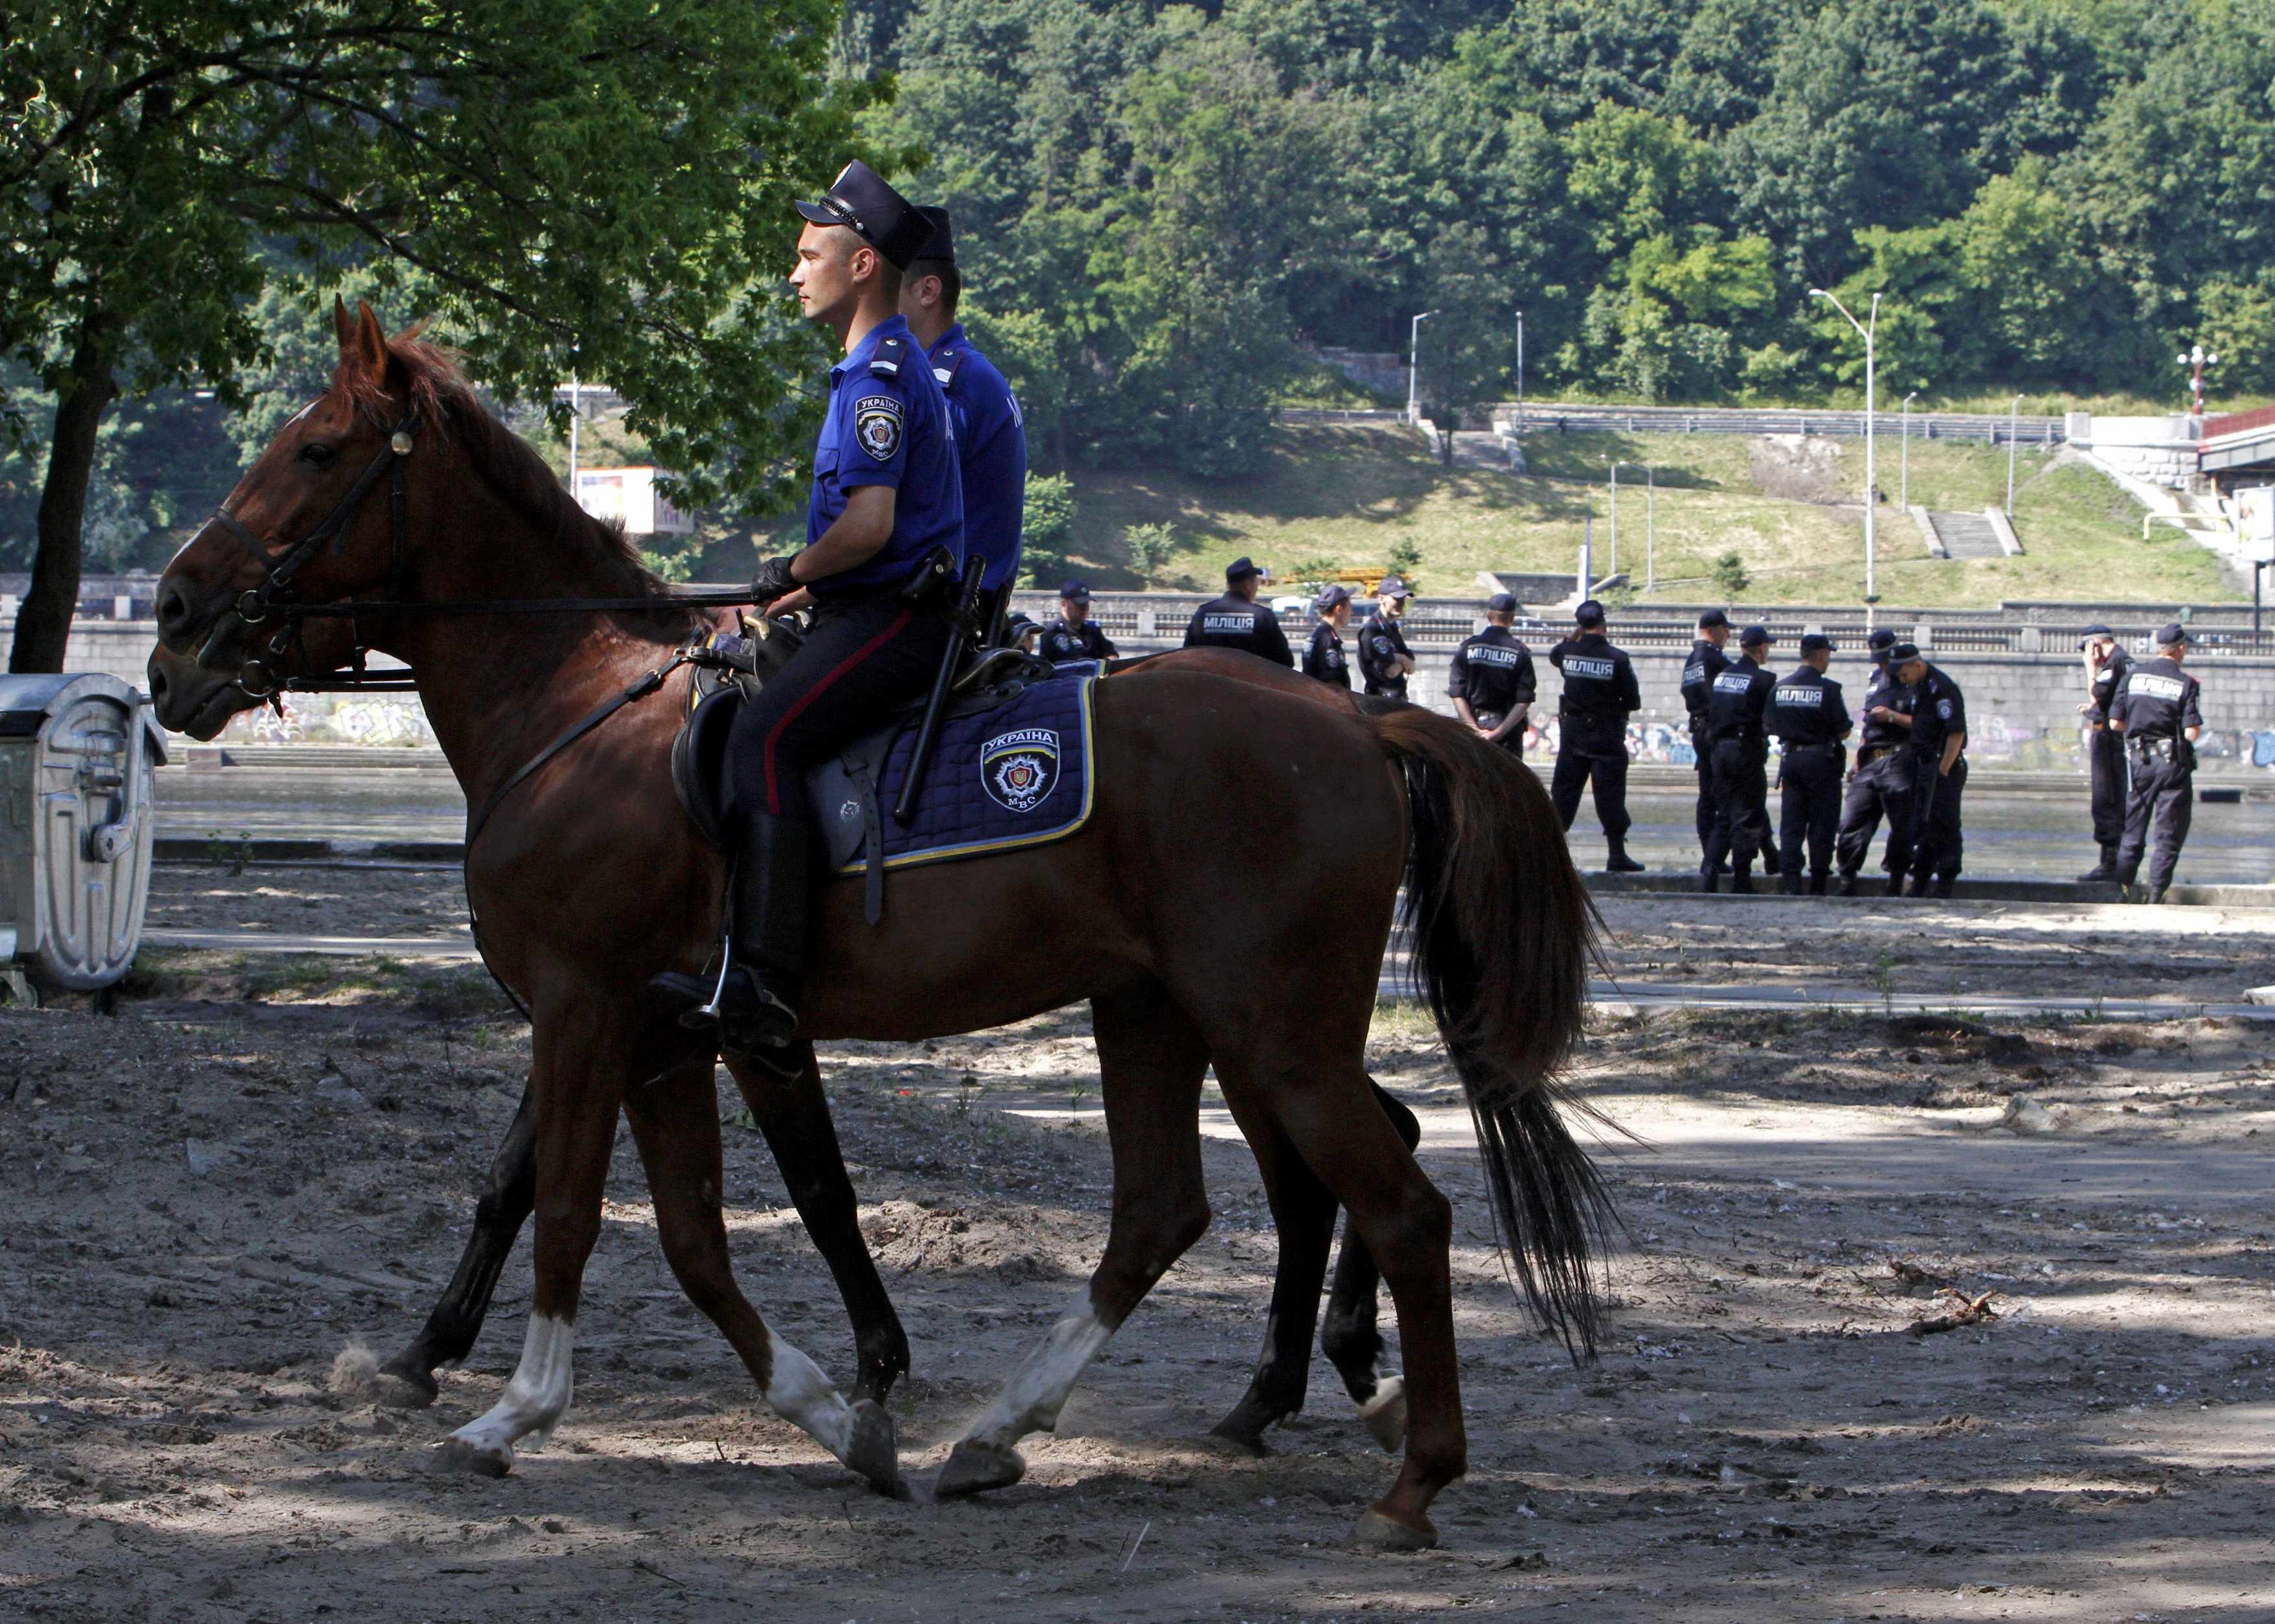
column 256, row 1160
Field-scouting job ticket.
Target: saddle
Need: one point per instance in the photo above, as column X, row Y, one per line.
column 846, row 792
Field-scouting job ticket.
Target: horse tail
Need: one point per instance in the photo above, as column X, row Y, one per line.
column 1502, row 935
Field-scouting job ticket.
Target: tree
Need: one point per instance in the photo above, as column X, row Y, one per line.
column 595, row 185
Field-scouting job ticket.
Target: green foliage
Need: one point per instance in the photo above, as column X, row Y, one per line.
column 1149, row 548
column 1405, row 558
column 1049, row 529
column 1729, row 575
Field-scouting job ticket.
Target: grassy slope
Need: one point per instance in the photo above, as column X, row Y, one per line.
column 1348, row 493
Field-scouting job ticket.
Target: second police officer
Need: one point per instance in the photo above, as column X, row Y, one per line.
column 2106, row 663
column 1074, row 635
column 1238, row 620
column 1807, row 710
column 1383, row 660
column 1491, row 684
column 1599, row 694
column 1706, row 662
column 1881, row 785
column 1931, row 833
column 991, row 436
column 1324, row 657
column 1736, row 731
column 2158, row 714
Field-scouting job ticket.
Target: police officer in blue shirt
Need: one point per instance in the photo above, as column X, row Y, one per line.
column 1237, row 621
column 1385, row 662
column 1074, row 635
column 1591, row 734
column 991, row 436
column 1491, row 681
column 1807, row 712
column 1737, row 732
column 1929, row 843
column 2158, row 716
column 1881, row 784
column 1324, row 658
column 884, row 545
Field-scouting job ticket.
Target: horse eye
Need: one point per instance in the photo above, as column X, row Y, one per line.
column 316, row 454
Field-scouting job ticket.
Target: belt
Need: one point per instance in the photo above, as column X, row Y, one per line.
column 1810, row 749
column 2153, row 746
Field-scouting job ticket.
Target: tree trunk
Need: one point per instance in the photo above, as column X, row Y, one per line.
column 43, row 624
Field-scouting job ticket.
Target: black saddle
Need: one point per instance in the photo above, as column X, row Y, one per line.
column 844, row 792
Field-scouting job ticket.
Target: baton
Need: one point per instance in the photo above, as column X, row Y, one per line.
column 967, row 606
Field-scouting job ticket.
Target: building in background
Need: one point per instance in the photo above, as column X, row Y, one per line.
column 628, row 496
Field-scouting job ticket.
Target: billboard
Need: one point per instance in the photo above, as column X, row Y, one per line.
column 2255, row 521
column 629, row 497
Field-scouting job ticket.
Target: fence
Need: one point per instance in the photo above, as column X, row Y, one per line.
column 1557, row 417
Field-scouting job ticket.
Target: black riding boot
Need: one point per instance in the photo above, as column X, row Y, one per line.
column 1741, row 878
column 1818, row 883
column 1618, row 862
column 759, row 997
column 1709, row 877
column 1790, row 884
column 1848, row 884
column 2106, row 869
column 1919, row 886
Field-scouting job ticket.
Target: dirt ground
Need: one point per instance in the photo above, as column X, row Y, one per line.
column 258, row 1160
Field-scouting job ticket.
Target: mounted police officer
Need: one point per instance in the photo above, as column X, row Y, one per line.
column 2106, row 662
column 1737, row 732
column 1599, row 694
column 2157, row 712
column 1880, row 784
column 1491, row 684
column 1706, row 662
column 1807, row 710
column 1237, row 621
column 884, row 543
column 991, row 436
column 1074, row 635
column 1324, row 658
column 1383, row 660
column 1931, row 834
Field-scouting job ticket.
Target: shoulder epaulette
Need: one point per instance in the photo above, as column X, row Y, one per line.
column 890, row 353
column 947, row 375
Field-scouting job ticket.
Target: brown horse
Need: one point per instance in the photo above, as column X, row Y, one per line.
column 589, row 882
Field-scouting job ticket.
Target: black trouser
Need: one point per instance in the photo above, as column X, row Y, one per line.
column 1610, row 776
column 2162, row 791
column 1741, row 814
column 2105, row 758
column 861, row 660
column 1932, row 834
column 1704, row 814
column 1810, row 810
column 1512, row 741
column 1880, row 786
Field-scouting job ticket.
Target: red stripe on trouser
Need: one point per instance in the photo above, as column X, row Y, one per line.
column 774, row 734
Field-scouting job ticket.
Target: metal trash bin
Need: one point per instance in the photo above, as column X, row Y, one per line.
column 76, row 827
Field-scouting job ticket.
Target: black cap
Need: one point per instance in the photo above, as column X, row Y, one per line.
column 2171, row 632
column 1712, row 618
column 941, row 244
column 1589, row 614
column 1881, row 641
column 1240, row 569
column 2098, row 630
column 1501, row 603
column 1391, row 586
column 1903, row 653
column 1018, row 624
column 1812, row 641
column 860, row 200
column 1755, row 636
column 1331, row 599
column 1074, row 592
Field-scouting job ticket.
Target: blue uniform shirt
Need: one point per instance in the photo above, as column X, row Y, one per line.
column 991, row 440
column 887, row 425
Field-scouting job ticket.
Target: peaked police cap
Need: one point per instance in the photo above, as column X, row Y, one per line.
column 860, row 200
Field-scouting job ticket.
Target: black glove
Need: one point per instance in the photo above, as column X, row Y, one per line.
column 773, row 580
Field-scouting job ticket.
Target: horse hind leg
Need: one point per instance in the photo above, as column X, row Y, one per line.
column 675, row 1124
column 1350, row 1337
column 1152, row 1060
column 1304, row 1213
column 407, row 1380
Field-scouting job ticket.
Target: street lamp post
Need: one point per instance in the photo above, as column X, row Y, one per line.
column 2196, row 359
column 1650, row 521
column 1614, row 569
column 2014, row 423
column 1872, row 487
column 1904, row 479
column 1414, row 368
column 1520, row 373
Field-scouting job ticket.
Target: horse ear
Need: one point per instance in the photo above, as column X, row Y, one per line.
column 371, row 341
column 343, row 324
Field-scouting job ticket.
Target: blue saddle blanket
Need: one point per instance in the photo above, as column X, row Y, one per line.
column 1018, row 774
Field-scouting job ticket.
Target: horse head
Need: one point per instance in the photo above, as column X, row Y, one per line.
column 319, row 518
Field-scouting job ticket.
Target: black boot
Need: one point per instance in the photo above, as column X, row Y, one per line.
column 2156, row 894
column 1943, row 887
column 1848, row 885
column 1710, row 878
column 1741, row 880
column 1818, row 883
column 1790, row 884
column 1618, row 862
column 758, row 997
column 1919, row 886
column 2105, row 870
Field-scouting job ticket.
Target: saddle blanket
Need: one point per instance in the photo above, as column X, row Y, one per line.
column 1019, row 773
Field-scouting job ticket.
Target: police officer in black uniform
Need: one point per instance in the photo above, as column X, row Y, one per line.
column 1807, row 710
column 1881, row 782
column 1599, row 694
column 1706, row 662
column 2157, row 714
column 1491, row 684
column 1931, row 834
column 1737, row 732
column 1324, row 658
column 2106, row 662
column 1074, row 635
column 1383, row 660
column 1237, row 621
column 884, row 545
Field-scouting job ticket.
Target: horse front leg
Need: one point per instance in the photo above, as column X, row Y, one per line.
column 407, row 1380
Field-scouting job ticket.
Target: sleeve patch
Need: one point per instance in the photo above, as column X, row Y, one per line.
column 877, row 425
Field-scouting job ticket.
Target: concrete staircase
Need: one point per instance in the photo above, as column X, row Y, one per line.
column 1966, row 535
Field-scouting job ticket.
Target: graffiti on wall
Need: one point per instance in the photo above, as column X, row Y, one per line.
column 396, row 722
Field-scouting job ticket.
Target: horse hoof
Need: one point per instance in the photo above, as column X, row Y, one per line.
column 457, row 1455
column 1385, row 1414
column 872, row 1449
column 399, row 1386
column 1238, row 1438
column 1381, row 1535
column 973, row 1468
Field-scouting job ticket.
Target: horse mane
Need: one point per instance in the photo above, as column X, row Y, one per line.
column 441, row 396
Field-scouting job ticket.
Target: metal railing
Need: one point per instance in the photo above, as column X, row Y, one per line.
column 1550, row 417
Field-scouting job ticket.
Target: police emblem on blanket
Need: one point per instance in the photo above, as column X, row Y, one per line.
column 1021, row 769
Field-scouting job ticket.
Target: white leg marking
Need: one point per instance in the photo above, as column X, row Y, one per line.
column 534, row 1401
column 1038, row 1390
column 801, row 1394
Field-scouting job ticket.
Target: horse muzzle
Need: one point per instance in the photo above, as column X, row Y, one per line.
column 187, row 697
